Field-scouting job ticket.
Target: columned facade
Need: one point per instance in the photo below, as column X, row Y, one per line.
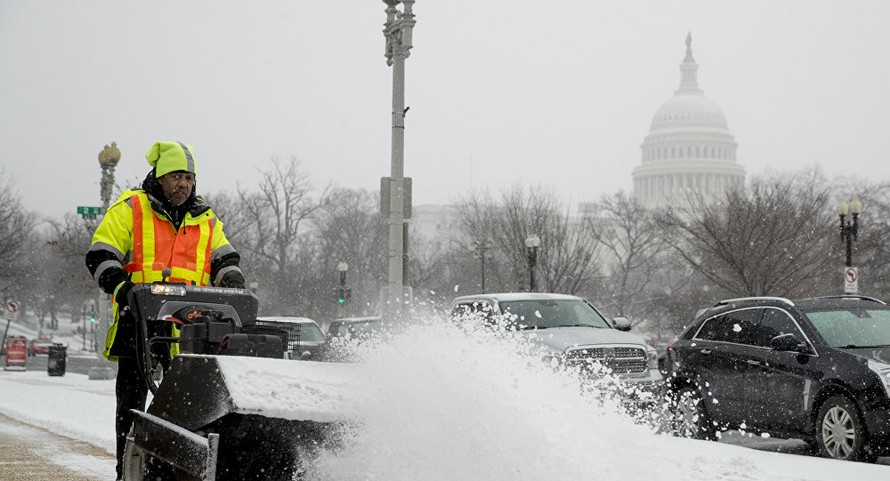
column 689, row 149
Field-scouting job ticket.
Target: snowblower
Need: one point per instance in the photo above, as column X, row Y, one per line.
column 229, row 405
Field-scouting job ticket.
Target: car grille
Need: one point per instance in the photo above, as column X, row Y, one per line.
column 620, row 360
column 293, row 332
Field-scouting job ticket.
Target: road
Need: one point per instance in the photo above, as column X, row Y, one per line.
column 33, row 454
column 80, row 363
column 775, row 445
column 28, row 453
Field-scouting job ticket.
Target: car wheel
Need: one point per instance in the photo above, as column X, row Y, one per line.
column 689, row 416
column 840, row 431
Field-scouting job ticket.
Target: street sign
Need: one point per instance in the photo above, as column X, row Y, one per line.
column 851, row 280
column 12, row 307
column 89, row 212
column 385, row 196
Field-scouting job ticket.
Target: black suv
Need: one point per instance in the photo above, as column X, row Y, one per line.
column 816, row 369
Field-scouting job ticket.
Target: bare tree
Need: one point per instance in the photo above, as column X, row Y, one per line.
column 634, row 257
column 64, row 272
column 427, row 268
column 277, row 237
column 350, row 229
column 767, row 239
column 16, row 228
column 478, row 214
column 567, row 256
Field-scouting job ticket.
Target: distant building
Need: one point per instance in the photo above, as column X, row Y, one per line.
column 437, row 225
column 689, row 147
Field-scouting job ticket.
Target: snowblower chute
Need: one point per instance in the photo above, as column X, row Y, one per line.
column 232, row 407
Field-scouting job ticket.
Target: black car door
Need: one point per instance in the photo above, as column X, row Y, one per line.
column 721, row 354
column 781, row 396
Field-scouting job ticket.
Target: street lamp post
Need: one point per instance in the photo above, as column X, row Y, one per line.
column 481, row 247
column 343, row 293
column 342, row 267
column 531, row 244
column 398, row 33
column 849, row 230
column 109, row 156
column 108, row 159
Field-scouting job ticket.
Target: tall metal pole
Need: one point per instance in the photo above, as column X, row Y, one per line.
column 532, row 262
column 482, row 246
column 531, row 244
column 398, row 33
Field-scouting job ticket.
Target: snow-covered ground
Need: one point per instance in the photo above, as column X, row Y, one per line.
column 447, row 406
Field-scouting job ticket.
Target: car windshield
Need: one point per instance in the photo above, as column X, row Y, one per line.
column 297, row 331
column 546, row 313
column 358, row 328
column 853, row 327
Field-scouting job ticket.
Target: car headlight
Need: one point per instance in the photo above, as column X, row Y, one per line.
column 651, row 357
column 883, row 372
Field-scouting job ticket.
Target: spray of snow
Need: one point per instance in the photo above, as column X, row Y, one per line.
column 451, row 403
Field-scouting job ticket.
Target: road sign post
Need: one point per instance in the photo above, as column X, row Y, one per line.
column 851, row 280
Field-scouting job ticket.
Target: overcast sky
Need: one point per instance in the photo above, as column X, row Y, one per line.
column 501, row 91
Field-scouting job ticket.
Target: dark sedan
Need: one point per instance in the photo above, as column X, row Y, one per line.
column 816, row 369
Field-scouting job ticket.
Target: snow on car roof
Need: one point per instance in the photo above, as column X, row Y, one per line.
column 293, row 319
column 517, row 296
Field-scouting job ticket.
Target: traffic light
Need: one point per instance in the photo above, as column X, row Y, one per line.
column 343, row 294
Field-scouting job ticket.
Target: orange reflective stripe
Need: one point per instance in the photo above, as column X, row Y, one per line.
column 164, row 241
column 184, row 250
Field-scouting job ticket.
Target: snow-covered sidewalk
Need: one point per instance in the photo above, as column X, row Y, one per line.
column 71, row 405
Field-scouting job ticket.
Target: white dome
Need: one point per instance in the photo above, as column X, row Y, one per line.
column 688, row 110
column 689, row 147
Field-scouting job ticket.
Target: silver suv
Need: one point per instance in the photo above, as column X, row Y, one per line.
column 569, row 327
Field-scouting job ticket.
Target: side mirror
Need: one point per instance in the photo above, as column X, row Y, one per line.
column 621, row 323
column 787, row 342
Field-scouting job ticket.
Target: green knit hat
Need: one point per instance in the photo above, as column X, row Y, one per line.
column 168, row 157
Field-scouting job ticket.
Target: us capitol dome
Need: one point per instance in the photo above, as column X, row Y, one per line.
column 689, row 148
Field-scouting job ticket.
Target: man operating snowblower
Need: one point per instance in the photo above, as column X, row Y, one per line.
column 163, row 225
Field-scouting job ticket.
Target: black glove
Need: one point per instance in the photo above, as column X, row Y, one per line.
column 233, row 279
column 120, row 297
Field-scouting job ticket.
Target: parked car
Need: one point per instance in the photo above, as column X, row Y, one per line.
column 40, row 345
column 570, row 328
column 816, row 369
column 353, row 327
column 304, row 338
